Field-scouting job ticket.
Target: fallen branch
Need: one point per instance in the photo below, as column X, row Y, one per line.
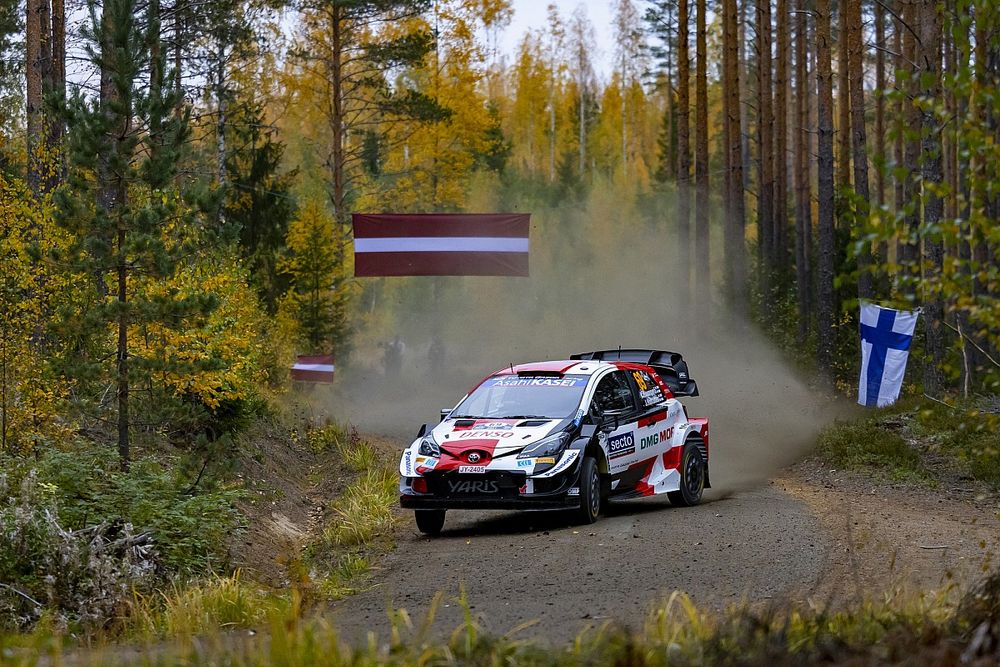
column 941, row 402
column 22, row 594
column 974, row 344
column 934, row 546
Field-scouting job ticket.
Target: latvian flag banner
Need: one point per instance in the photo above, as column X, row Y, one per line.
column 441, row 244
column 886, row 335
column 313, row 369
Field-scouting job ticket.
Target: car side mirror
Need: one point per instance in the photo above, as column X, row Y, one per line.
column 609, row 425
column 444, row 413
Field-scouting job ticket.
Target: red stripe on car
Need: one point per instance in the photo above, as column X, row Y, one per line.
column 653, row 418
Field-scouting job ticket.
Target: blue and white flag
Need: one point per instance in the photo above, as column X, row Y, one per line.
column 886, row 335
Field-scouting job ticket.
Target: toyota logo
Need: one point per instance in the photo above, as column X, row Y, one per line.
column 474, row 457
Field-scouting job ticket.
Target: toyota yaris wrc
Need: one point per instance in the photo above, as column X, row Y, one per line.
column 562, row 435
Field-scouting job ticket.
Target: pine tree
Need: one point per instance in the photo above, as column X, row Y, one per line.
column 703, row 286
column 259, row 202
column 120, row 200
column 825, row 310
column 683, row 153
column 318, row 298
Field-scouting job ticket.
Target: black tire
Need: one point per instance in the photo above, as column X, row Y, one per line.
column 692, row 478
column 429, row 522
column 591, row 500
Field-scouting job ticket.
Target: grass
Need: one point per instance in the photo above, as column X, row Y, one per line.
column 921, row 630
column 219, row 602
column 966, row 431
column 868, row 445
column 361, row 520
column 900, row 441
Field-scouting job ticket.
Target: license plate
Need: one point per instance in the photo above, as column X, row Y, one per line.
column 475, row 470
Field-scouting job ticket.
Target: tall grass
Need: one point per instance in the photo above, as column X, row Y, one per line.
column 216, row 603
column 922, row 630
column 361, row 521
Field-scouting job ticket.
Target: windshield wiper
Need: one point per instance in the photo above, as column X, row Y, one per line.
column 526, row 417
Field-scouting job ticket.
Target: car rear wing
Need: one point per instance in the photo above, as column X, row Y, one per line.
column 670, row 366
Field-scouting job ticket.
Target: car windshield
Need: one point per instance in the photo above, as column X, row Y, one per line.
column 520, row 397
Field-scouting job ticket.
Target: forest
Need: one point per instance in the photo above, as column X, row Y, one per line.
column 177, row 180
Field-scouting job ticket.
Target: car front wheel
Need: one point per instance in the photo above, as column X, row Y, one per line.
column 590, row 491
column 429, row 522
column 692, row 478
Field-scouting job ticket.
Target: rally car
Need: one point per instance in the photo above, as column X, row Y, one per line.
column 562, row 435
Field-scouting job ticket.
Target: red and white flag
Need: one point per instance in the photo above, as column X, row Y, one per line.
column 313, row 368
column 441, row 244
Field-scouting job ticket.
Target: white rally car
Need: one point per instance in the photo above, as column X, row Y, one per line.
column 562, row 435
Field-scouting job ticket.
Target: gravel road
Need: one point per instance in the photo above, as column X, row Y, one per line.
column 520, row 567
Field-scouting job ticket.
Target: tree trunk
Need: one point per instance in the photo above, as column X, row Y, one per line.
column 825, row 292
column 583, row 128
column 880, row 160
column 933, row 259
column 553, row 65
column 765, row 149
column 735, row 261
column 898, row 181
column 980, row 193
column 781, row 85
column 683, row 153
column 702, row 263
column 744, row 80
column 179, row 8
column 910, row 250
column 844, row 99
column 859, row 142
column 671, row 119
column 624, row 111
column 34, row 105
column 122, row 356
column 220, row 130
column 57, row 86
column 337, row 116
column 111, row 199
column 803, row 199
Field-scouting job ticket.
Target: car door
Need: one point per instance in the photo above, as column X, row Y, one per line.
column 614, row 398
column 654, row 426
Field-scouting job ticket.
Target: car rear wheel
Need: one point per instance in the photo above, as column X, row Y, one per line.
column 429, row 522
column 692, row 478
column 590, row 491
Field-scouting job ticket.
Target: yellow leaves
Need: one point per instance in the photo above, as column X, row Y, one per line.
column 30, row 290
column 214, row 358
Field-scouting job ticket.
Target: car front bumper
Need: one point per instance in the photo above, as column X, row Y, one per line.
column 512, row 490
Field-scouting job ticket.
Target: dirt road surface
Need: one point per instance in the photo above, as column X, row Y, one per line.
column 810, row 536
column 519, row 567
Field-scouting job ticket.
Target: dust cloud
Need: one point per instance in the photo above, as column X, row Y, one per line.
column 603, row 274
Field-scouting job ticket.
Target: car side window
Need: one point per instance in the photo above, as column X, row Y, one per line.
column 613, row 394
column 649, row 390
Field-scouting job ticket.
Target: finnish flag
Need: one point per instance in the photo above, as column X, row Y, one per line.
column 886, row 335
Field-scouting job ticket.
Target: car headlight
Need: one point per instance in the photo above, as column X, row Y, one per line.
column 548, row 447
column 428, row 447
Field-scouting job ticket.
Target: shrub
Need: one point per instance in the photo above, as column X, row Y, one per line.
column 82, row 578
column 188, row 530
